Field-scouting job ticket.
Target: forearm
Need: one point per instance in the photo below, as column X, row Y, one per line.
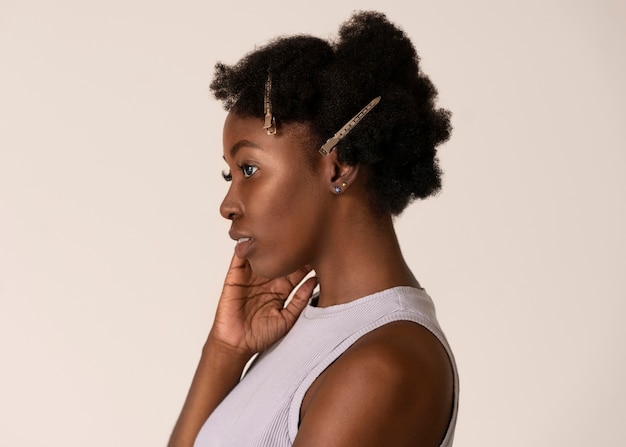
column 219, row 370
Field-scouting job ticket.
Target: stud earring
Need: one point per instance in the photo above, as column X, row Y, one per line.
column 339, row 189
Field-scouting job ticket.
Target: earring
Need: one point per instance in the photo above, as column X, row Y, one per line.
column 338, row 189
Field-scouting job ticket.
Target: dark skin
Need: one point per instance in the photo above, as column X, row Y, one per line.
column 394, row 385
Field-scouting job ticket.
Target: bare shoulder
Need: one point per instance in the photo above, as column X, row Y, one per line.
column 394, row 386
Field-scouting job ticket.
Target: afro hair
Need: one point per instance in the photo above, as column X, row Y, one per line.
column 325, row 83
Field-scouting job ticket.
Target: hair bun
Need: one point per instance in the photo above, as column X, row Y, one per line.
column 370, row 45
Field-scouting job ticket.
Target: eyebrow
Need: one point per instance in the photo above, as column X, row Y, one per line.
column 242, row 143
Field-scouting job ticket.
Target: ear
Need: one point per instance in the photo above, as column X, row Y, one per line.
column 337, row 174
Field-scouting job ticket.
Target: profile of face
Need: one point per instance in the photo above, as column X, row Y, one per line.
column 277, row 201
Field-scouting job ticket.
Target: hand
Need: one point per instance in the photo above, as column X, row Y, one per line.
column 251, row 314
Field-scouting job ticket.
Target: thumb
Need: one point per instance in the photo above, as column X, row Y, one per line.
column 300, row 299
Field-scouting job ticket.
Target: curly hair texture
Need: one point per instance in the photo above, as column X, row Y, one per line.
column 325, row 83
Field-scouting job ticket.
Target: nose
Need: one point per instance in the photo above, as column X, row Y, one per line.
column 230, row 208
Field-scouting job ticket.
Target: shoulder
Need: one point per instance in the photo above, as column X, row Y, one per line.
column 394, row 386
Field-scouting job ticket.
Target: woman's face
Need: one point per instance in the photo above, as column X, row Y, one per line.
column 276, row 202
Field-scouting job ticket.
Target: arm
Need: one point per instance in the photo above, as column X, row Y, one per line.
column 218, row 372
column 251, row 316
column 394, row 386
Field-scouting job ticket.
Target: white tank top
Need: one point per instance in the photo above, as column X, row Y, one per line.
column 263, row 410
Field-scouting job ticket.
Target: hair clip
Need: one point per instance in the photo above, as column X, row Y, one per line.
column 270, row 121
column 331, row 143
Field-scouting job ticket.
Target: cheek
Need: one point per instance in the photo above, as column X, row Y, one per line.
column 291, row 196
column 291, row 229
column 302, row 222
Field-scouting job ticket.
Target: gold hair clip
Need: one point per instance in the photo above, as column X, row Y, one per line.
column 330, row 144
column 270, row 121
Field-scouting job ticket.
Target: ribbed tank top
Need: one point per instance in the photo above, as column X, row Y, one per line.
column 263, row 410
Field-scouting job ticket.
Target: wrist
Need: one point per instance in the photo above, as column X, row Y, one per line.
column 221, row 351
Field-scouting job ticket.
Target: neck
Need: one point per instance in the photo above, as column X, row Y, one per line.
column 362, row 256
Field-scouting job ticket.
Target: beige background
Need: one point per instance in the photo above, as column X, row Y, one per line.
column 112, row 251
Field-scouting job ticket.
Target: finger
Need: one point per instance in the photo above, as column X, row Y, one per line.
column 236, row 262
column 237, row 271
column 300, row 299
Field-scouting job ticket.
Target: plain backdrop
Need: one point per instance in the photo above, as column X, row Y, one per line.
column 112, row 251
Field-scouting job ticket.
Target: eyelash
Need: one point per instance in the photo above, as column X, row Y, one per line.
column 228, row 176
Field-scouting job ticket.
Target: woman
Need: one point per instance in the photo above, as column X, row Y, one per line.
column 326, row 142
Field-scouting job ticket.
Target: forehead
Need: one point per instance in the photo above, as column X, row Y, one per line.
column 291, row 139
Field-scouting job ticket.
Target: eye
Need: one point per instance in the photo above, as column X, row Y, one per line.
column 248, row 170
column 227, row 176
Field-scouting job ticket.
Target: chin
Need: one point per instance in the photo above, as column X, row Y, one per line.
column 270, row 269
